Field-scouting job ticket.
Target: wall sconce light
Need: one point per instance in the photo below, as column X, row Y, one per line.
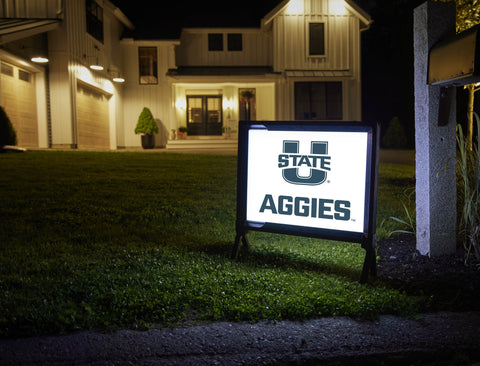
column 118, row 79
column 228, row 105
column 181, row 104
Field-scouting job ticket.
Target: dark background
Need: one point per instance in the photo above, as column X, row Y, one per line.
column 387, row 47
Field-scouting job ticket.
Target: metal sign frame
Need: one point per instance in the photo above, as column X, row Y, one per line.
column 367, row 236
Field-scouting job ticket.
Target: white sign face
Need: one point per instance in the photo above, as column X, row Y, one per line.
column 307, row 178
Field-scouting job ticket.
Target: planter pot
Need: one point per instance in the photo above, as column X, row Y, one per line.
column 148, row 141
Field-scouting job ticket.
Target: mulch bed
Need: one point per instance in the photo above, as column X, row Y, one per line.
column 445, row 280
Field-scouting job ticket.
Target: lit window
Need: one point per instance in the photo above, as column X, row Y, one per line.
column 147, row 64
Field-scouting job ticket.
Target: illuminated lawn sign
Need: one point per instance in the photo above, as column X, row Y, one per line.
column 316, row 179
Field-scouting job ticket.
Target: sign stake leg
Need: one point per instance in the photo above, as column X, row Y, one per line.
column 239, row 240
column 370, row 263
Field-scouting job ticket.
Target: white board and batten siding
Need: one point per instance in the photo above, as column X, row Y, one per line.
column 72, row 49
column 193, row 48
column 341, row 62
column 157, row 97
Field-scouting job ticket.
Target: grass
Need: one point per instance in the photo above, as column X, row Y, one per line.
column 94, row 240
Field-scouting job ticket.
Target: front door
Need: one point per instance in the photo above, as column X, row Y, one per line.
column 204, row 115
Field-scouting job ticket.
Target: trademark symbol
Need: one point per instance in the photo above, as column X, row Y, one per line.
column 353, row 220
column 328, row 181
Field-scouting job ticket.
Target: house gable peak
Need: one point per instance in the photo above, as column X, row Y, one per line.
column 297, row 6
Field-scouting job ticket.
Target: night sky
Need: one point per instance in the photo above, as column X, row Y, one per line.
column 387, row 47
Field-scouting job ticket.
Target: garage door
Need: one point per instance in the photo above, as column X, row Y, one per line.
column 20, row 102
column 92, row 119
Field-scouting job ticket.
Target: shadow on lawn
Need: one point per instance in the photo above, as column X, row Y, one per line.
column 257, row 258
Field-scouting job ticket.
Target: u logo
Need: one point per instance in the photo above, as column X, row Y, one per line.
column 319, row 149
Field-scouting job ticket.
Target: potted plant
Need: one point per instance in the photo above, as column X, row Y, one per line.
column 182, row 132
column 148, row 127
column 225, row 132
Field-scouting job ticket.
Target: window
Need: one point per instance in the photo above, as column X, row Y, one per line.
column 316, row 39
column 24, row 75
column 7, row 69
column 215, row 42
column 234, row 41
column 94, row 20
column 147, row 64
column 318, row 101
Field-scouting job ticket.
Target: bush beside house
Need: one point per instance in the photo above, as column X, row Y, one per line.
column 394, row 137
column 8, row 135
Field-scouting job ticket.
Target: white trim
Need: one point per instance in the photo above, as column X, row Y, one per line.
column 14, row 29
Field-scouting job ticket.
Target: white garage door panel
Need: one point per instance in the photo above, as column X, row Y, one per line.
column 92, row 119
column 20, row 104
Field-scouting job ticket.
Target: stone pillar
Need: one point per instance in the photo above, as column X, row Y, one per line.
column 434, row 145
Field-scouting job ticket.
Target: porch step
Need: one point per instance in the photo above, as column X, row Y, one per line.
column 187, row 144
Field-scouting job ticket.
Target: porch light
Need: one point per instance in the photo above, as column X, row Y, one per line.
column 181, row 104
column 227, row 103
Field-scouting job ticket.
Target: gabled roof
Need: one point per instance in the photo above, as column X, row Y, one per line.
column 365, row 19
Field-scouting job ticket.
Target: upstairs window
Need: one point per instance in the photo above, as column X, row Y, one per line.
column 147, row 65
column 235, row 42
column 316, row 39
column 94, row 20
column 215, row 42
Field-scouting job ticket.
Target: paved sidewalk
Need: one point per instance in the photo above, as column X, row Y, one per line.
column 431, row 339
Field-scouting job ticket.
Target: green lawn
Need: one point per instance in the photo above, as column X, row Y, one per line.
column 92, row 240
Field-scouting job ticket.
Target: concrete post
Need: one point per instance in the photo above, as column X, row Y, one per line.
column 434, row 145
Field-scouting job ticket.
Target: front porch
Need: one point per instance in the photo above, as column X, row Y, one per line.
column 203, row 143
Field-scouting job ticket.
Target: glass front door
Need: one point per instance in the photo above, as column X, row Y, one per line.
column 204, row 115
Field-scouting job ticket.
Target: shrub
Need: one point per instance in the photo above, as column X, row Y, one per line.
column 146, row 123
column 394, row 137
column 8, row 135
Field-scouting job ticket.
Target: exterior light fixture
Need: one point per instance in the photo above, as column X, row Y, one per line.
column 115, row 74
column 96, row 67
column 95, row 63
column 39, row 59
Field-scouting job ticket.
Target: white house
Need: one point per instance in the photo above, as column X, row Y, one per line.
column 301, row 63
